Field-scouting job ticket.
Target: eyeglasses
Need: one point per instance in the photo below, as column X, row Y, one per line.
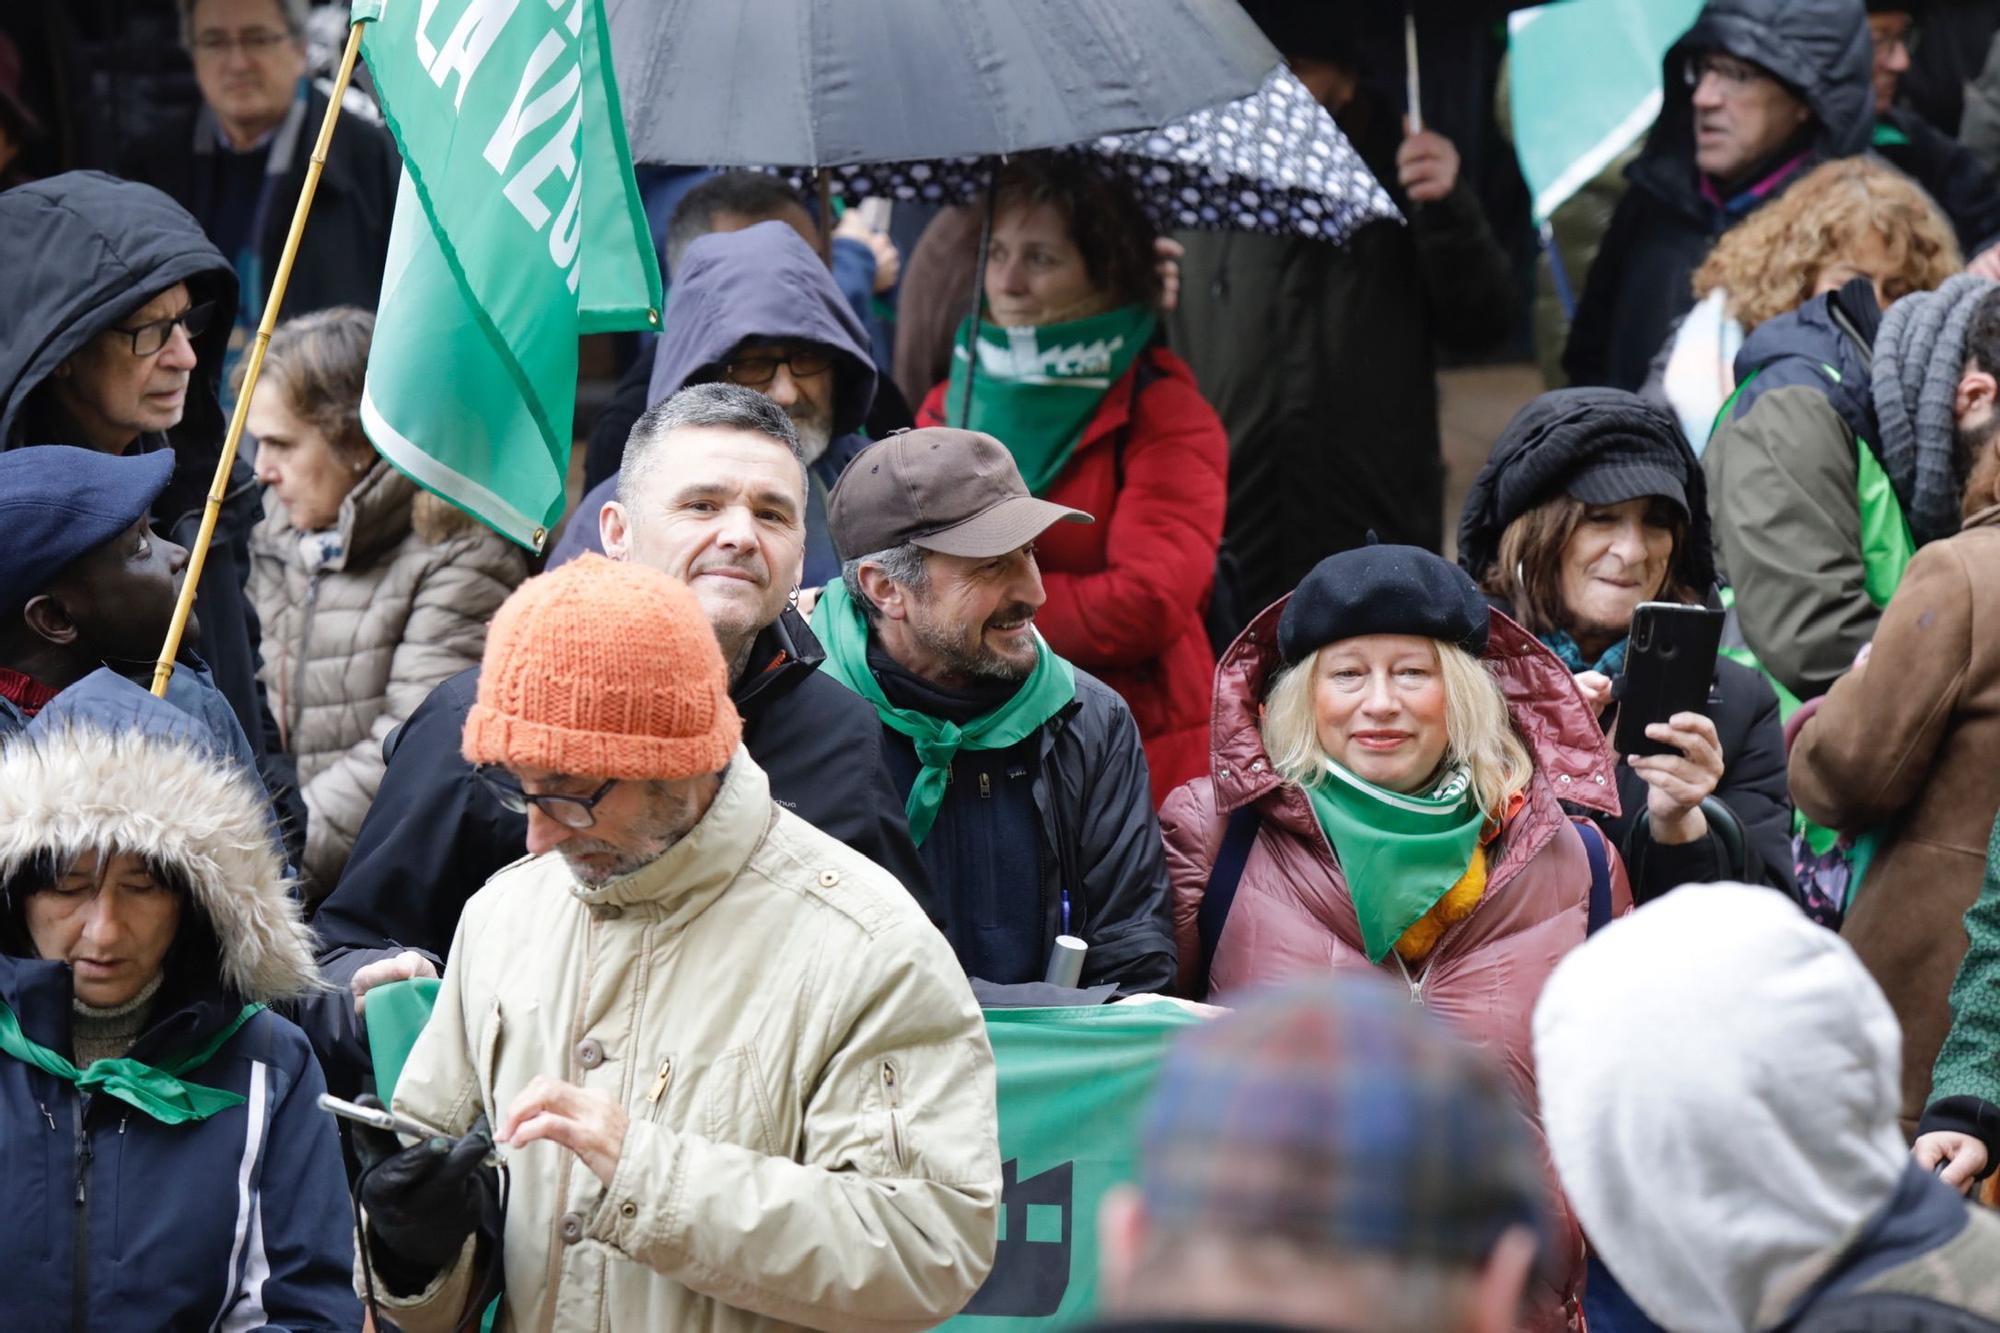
column 577, row 812
column 253, row 42
column 759, row 369
column 149, row 339
column 1735, row 74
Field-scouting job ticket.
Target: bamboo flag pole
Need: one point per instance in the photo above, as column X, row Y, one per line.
column 163, row 671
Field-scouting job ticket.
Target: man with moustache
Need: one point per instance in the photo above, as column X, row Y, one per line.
column 756, row 307
column 712, row 492
column 1023, row 777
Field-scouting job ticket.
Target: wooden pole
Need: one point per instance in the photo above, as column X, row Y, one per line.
column 163, row 671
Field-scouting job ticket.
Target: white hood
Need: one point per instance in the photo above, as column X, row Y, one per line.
column 1719, row 1084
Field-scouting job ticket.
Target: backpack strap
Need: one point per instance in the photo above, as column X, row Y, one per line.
column 1220, row 892
column 1600, row 873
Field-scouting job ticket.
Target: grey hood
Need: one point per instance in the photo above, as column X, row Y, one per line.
column 761, row 282
column 107, row 766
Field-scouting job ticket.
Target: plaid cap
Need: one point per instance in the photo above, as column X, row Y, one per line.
column 1339, row 1115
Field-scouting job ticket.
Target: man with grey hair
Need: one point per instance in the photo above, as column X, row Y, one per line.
column 239, row 161
column 1023, row 777
column 713, row 493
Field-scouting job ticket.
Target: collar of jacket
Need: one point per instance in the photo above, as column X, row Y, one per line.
column 1982, row 518
column 784, row 652
column 374, row 517
column 291, row 147
column 695, row 871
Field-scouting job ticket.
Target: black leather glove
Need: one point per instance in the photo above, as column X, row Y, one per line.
column 424, row 1200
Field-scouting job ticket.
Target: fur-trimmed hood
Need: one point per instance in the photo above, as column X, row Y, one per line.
column 106, row 765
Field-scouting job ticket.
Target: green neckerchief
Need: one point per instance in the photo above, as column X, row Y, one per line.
column 155, row 1089
column 843, row 632
column 1039, row 387
column 1400, row 853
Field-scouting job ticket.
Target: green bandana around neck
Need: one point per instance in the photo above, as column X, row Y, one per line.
column 843, row 632
column 1400, row 853
column 155, row 1089
column 1038, row 387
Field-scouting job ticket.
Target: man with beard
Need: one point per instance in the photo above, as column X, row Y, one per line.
column 761, row 1090
column 757, row 308
column 712, row 493
column 1022, row 776
column 1843, row 450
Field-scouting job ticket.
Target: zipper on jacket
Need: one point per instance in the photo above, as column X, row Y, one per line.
column 1415, row 983
column 985, row 787
column 892, row 1093
column 295, row 706
column 80, row 1241
column 47, row 1115
column 656, row 1095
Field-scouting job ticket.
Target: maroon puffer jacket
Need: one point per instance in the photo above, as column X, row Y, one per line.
column 1292, row 915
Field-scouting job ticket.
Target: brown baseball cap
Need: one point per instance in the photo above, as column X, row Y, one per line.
column 954, row 491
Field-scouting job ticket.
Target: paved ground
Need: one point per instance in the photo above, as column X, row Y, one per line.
column 1474, row 405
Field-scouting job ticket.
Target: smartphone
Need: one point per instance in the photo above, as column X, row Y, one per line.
column 875, row 213
column 391, row 1122
column 1669, row 667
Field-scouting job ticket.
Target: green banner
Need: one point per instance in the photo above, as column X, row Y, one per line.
column 1073, row 1083
column 517, row 228
column 1583, row 80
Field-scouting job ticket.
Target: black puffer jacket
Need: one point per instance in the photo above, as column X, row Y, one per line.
column 436, row 834
column 1664, row 225
column 1545, row 444
column 81, row 252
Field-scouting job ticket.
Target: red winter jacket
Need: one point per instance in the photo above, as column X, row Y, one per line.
column 1292, row 915
column 1128, row 593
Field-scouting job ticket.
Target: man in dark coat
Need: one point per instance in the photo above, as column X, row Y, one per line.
column 239, row 160
column 113, row 339
column 1778, row 86
column 757, row 307
column 1951, row 173
column 1321, row 359
column 714, row 496
column 1023, row 777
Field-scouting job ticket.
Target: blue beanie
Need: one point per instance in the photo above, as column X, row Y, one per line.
column 58, row 503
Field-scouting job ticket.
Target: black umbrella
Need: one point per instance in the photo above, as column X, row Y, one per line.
column 822, row 83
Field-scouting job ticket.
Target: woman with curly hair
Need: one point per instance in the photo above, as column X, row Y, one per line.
column 1851, row 218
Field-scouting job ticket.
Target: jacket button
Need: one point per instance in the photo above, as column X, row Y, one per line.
column 570, row 1228
column 628, row 1209
column 590, row 1053
column 828, row 878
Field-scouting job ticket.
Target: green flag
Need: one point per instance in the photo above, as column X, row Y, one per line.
column 517, row 229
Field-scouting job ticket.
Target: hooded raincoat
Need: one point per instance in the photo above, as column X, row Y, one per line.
column 82, row 251
column 1719, row 1087
column 112, row 1219
column 761, row 282
column 1292, row 915
column 1670, row 216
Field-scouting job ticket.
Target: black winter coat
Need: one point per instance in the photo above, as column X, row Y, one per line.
column 1949, row 172
column 436, row 834
column 346, row 243
column 1663, row 227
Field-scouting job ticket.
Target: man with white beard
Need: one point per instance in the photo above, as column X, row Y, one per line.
column 757, row 307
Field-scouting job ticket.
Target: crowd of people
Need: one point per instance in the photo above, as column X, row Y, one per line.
column 920, row 625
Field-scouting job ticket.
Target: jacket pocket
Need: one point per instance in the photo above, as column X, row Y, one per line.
column 896, row 1135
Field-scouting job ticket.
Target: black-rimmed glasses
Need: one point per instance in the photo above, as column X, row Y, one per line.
column 151, row 338
column 756, row 369
column 577, row 812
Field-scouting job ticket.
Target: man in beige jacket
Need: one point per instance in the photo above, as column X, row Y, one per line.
column 738, row 1078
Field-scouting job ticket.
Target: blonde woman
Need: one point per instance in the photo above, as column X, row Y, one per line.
column 1384, row 792
column 1852, row 218
column 370, row 593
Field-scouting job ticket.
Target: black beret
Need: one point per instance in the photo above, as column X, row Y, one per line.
column 1378, row 589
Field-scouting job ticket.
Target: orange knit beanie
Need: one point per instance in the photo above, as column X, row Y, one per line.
column 603, row 669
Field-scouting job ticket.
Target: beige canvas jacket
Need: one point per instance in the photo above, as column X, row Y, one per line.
column 813, row 1138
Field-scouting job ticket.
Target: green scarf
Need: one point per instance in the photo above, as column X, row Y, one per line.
column 155, row 1089
column 1400, row 853
column 843, row 632
column 1039, row 387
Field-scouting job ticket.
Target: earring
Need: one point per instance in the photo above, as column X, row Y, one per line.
column 793, row 600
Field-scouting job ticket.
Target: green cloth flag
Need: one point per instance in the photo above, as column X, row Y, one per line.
column 517, row 228
column 1583, row 82
column 1038, row 387
column 843, row 633
column 1074, row 1083
column 1400, row 853
column 395, row 1014
column 158, row 1090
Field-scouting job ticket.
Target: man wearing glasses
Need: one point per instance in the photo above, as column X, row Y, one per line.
column 114, row 342
column 1756, row 93
column 757, row 307
column 1949, row 171
column 239, row 160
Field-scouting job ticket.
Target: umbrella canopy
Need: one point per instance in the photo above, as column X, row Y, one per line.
column 1274, row 162
column 822, row 83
